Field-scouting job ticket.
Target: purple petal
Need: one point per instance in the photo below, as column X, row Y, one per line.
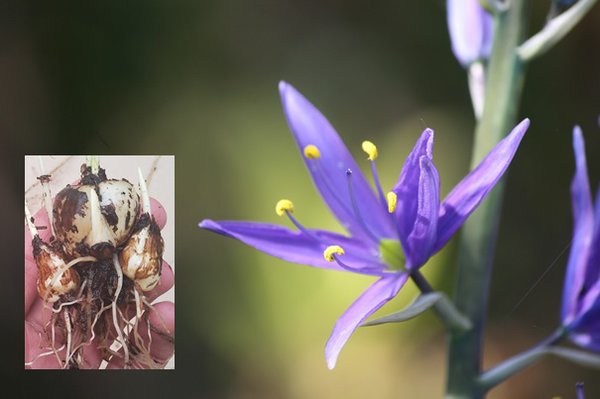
column 589, row 296
column 297, row 247
column 423, row 235
column 471, row 30
column 588, row 340
column 583, row 229
column 589, row 307
column 586, row 329
column 328, row 172
column 407, row 188
column 474, row 187
column 371, row 300
column 593, row 269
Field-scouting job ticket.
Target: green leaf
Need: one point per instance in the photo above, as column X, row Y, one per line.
column 579, row 357
column 420, row 305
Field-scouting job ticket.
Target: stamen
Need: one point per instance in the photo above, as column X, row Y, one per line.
column 370, row 149
column 377, row 183
column 287, row 207
column 312, row 152
column 284, row 206
column 355, row 208
column 392, row 200
column 332, row 250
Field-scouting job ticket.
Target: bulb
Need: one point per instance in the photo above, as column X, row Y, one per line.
column 95, row 218
column 141, row 258
column 50, row 264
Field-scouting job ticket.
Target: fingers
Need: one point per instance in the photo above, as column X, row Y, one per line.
column 35, row 348
column 159, row 213
column 31, row 273
column 165, row 283
column 162, row 322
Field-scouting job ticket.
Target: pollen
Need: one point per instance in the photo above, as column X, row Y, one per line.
column 370, row 149
column 312, row 152
column 332, row 250
column 392, row 199
column 284, row 206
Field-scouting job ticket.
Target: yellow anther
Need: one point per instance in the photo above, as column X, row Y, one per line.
column 332, row 250
column 392, row 199
column 312, row 152
column 370, row 149
column 283, row 206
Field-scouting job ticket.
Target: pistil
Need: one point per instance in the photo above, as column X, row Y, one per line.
column 357, row 214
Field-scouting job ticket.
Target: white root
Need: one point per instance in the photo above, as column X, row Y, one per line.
column 149, row 334
column 62, row 305
column 114, row 308
column 47, row 196
column 53, row 334
column 58, row 167
column 68, row 325
column 144, row 192
column 67, row 267
column 162, row 320
column 83, row 285
column 44, row 354
column 89, row 341
column 138, row 304
column 30, row 225
column 138, row 312
column 96, row 320
column 153, row 168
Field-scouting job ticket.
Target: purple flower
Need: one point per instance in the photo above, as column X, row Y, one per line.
column 471, row 30
column 390, row 234
column 581, row 293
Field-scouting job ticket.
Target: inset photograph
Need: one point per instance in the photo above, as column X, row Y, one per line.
column 99, row 262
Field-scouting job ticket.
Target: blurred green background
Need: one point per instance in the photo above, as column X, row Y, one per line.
column 199, row 80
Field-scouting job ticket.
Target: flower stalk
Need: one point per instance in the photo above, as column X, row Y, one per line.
column 511, row 366
column 503, row 92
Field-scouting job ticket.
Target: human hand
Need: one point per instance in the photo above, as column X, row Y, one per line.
column 158, row 318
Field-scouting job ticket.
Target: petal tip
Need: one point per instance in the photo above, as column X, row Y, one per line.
column 330, row 358
column 207, row 224
column 577, row 132
column 282, row 86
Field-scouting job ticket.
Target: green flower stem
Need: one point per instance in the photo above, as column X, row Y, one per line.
column 510, row 367
column 557, row 28
column 505, row 77
column 444, row 308
column 94, row 163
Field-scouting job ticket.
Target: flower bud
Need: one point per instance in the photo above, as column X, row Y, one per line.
column 471, row 30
